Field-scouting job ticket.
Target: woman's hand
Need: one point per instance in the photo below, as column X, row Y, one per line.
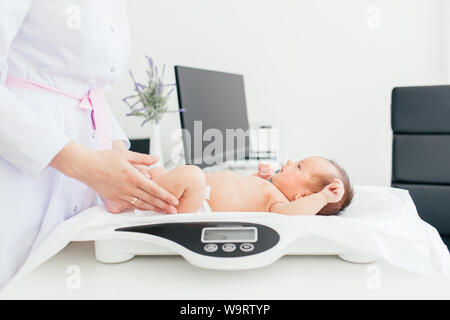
column 145, row 170
column 112, row 174
column 121, row 206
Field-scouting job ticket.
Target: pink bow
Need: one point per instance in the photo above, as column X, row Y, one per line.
column 94, row 101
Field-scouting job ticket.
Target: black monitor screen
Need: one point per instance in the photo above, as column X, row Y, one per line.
column 215, row 118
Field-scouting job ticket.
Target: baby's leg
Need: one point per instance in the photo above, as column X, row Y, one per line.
column 187, row 183
column 157, row 172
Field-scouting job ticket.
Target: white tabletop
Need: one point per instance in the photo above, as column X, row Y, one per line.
column 75, row 274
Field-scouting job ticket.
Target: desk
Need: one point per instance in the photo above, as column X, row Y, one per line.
column 171, row 277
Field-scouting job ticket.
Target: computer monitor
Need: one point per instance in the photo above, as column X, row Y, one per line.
column 214, row 109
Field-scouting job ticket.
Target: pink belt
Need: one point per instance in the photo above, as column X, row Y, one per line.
column 94, row 101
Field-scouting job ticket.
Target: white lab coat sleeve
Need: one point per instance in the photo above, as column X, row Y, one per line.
column 117, row 132
column 26, row 140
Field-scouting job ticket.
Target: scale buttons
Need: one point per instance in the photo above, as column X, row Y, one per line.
column 247, row 247
column 228, row 247
column 210, row 247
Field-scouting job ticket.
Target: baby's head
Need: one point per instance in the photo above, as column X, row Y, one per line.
column 311, row 175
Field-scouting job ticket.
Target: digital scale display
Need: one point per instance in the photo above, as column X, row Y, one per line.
column 240, row 234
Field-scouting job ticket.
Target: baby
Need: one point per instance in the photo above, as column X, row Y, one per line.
column 310, row 186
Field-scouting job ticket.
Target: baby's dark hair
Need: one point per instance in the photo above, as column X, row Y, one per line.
column 321, row 181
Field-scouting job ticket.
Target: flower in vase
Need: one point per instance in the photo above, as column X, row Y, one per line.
column 150, row 98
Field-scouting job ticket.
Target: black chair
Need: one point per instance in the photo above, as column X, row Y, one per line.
column 421, row 151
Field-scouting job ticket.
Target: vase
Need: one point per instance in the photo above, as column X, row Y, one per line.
column 155, row 144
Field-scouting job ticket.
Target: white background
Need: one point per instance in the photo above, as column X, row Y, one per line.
column 321, row 69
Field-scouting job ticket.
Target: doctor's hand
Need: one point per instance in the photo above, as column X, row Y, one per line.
column 113, row 175
column 121, row 206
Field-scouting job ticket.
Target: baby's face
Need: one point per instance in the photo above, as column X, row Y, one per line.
column 295, row 176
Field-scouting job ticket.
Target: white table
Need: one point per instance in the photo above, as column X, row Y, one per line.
column 171, row 277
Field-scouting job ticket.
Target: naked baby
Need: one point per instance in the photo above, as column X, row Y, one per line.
column 310, row 186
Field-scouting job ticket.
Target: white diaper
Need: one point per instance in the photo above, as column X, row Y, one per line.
column 205, row 206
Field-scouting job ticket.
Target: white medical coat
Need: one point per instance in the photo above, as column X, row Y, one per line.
column 73, row 46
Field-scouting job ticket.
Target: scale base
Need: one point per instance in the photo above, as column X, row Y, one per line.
column 120, row 250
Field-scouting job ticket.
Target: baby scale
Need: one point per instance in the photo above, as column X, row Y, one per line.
column 221, row 241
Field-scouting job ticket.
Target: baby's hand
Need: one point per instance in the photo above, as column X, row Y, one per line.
column 334, row 191
column 265, row 171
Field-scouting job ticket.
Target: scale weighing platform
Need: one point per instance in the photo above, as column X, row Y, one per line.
column 224, row 241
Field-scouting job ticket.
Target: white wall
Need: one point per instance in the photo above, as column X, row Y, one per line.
column 445, row 36
column 324, row 70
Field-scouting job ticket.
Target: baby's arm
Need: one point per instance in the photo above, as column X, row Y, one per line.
column 313, row 203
